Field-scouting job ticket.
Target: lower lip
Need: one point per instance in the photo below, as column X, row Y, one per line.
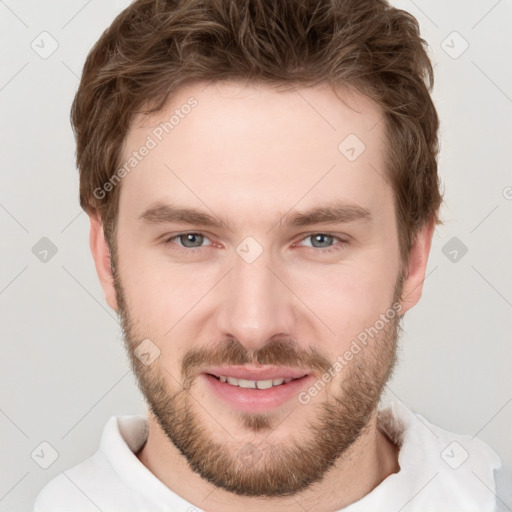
column 257, row 400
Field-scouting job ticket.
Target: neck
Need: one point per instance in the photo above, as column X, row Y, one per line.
column 371, row 459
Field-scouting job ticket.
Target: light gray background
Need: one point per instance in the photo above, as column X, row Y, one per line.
column 63, row 367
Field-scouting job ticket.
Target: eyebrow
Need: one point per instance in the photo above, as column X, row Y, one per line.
column 336, row 213
column 160, row 213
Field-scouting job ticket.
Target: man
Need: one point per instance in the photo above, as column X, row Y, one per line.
column 261, row 181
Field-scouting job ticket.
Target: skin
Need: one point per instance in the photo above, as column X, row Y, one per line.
column 251, row 154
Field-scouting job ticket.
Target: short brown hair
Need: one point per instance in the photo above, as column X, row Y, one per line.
column 155, row 46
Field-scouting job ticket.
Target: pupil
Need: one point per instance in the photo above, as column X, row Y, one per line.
column 189, row 239
column 326, row 240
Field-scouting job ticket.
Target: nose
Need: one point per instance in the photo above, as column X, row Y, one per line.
column 255, row 304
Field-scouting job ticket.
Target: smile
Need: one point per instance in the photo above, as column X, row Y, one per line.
column 254, row 384
column 255, row 389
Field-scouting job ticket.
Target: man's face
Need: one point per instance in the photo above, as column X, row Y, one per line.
column 234, row 308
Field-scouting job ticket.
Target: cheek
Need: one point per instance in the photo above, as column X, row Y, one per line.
column 348, row 297
column 160, row 295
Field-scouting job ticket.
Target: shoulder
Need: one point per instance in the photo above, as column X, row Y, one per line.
column 98, row 480
column 453, row 470
column 75, row 487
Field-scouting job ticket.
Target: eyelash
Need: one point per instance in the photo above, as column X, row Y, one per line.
column 339, row 246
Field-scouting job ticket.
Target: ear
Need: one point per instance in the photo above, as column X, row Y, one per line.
column 101, row 254
column 418, row 257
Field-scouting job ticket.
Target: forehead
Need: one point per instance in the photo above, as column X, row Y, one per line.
column 249, row 149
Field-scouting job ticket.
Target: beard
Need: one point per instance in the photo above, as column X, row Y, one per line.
column 265, row 469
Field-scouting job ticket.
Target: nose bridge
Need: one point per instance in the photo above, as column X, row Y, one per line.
column 255, row 305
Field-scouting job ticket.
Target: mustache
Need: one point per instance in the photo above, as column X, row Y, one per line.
column 278, row 352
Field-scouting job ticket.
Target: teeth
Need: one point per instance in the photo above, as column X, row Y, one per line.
column 264, row 384
column 249, row 384
column 254, row 384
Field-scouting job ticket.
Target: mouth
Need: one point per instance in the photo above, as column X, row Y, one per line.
column 256, row 389
column 254, row 384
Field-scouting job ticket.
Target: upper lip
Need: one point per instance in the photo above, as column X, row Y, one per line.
column 254, row 373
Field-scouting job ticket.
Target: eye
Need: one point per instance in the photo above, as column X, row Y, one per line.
column 324, row 241
column 191, row 241
column 187, row 240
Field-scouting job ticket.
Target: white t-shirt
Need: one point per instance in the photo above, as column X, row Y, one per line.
column 439, row 472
